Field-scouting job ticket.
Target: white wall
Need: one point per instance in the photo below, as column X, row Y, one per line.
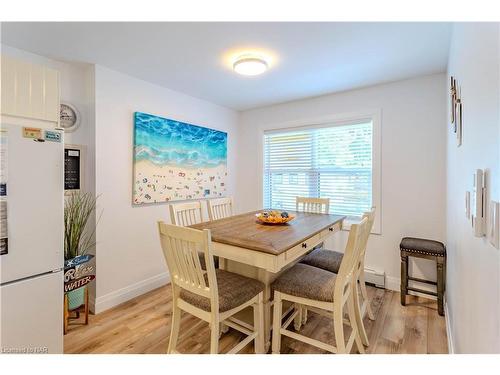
column 413, row 161
column 473, row 264
column 129, row 257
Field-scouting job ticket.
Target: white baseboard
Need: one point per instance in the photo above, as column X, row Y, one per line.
column 451, row 347
column 375, row 277
column 394, row 283
column 123, row 295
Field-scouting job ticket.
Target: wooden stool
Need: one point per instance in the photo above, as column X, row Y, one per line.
column 427, row 249
column 83, row 308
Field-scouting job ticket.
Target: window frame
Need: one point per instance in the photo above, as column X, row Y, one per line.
column 375, row 116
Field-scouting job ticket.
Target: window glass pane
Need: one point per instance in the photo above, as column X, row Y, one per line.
column 329, row 162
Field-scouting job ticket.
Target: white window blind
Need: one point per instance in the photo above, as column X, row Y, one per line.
column 329, row 162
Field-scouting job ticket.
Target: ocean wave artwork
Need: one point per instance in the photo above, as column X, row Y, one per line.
column 175, row 160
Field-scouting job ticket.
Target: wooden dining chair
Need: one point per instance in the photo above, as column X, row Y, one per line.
column 211, row 295
column 331, row 260
column 323, row 292
column 186, row 214
column 220, row 208
column 312, row 205
column 315, row 206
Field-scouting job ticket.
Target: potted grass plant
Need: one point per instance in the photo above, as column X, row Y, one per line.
column 79, row 234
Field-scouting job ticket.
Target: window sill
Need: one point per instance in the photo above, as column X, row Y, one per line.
column 346, row 226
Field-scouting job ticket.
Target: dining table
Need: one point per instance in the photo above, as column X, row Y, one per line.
column 262, row 251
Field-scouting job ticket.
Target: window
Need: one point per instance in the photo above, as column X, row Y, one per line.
column 336, row 161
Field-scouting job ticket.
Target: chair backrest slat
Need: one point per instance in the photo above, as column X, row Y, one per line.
column 181, row 247
column 312, row 205
column 370, row 216
column 186, row 214
column 220, row 208
column 352, row 255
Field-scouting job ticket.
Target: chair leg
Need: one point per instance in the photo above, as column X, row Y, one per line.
column 404, row 279
column 444, row 276
column 277, row 311
column 440, row 286
column 174, row 330
column 297, row 322
column 338, row 325
column 223, row 329
column 364, row 294
column 304, row 315
column 353, row 319
column 221, row 264
column 258, row 324
column 214, row 337
column 358, row 316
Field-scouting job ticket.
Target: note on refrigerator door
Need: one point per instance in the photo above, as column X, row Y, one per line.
column 4, row 248
column 3, row 162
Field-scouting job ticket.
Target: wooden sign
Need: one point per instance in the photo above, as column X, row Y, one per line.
column 76, row 261
column 77, row 272
column 78, row 283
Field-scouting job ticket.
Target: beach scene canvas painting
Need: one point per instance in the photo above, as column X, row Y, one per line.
column 175, row 161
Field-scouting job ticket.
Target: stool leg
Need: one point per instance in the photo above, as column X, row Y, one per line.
column 440, row 285
column 86, row 305
column 444, row 271
column 404, row 279
column 66, row 314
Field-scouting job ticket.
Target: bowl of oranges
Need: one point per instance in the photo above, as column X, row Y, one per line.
column 274, row 217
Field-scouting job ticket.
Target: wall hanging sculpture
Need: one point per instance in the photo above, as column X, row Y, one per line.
column 177, row 161
column 456, row 109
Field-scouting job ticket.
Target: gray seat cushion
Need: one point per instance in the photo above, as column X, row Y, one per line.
column 306, row 281
column 234, row 290
column 423, row 246
column 328, row 260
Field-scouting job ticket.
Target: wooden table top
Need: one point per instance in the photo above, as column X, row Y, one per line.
column 244, row 231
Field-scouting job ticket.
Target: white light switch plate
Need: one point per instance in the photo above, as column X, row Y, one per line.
column 494, row 227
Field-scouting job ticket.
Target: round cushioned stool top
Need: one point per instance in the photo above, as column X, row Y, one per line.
column 420, row 245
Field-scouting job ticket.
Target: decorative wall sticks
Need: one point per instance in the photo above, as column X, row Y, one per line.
column 456, row 109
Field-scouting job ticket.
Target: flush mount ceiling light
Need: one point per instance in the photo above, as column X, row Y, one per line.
column 250, row 65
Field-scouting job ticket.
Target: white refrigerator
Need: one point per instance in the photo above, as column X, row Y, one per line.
column 31, row 265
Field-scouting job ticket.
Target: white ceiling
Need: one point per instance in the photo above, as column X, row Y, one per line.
column 309, row 59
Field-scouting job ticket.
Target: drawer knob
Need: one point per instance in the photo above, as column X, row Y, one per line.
column 304, row 245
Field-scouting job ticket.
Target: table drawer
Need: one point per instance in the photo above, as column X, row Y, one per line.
column 303, row 248
column 332, row 229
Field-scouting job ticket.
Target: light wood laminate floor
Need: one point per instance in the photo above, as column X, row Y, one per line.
column 142, row 325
